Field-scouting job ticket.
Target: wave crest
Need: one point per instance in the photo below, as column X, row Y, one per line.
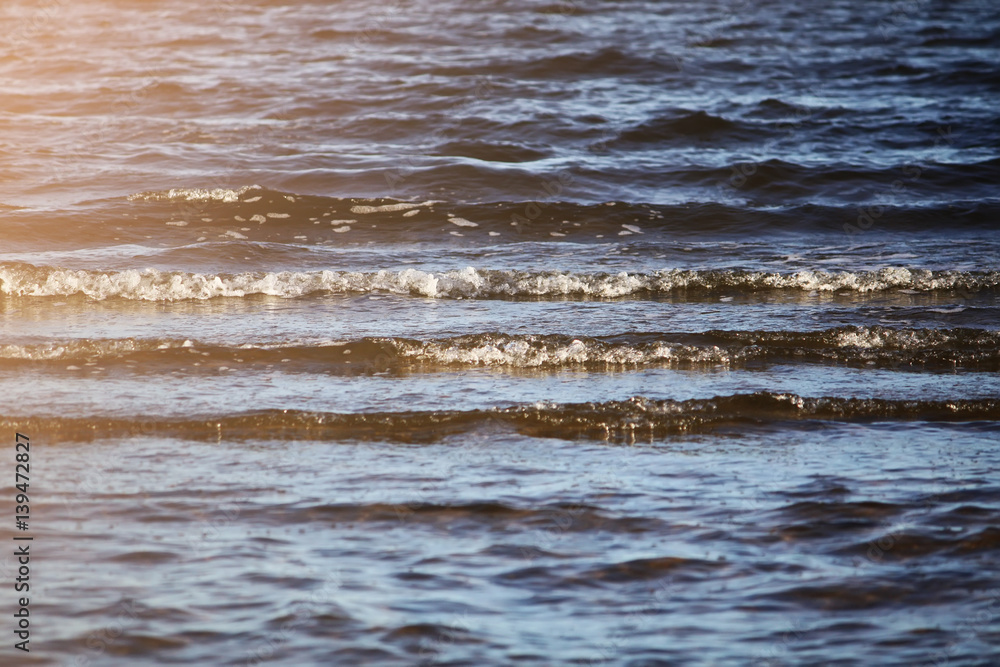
column 154, row 285
column 616, row 421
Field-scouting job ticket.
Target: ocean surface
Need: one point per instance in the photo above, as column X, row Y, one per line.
column 495, row 332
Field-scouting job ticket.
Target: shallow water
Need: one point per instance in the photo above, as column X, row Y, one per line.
column 475, row 333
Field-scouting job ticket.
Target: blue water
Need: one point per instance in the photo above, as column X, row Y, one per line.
column 483, row 333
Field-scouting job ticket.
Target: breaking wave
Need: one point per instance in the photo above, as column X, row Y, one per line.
column 904, row 349
column 156, row 285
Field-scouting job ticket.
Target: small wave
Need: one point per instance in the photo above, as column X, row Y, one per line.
column 608, row 61
column 774, row 108
column 855, row 346
column 25, row 280
column 492, row 152
column 617, row 421
column 684, row 126
column 502, row 516
column 185, row 217
column 909, row 544
column 881, row 347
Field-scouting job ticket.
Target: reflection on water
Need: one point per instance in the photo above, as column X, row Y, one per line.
column 483, row 333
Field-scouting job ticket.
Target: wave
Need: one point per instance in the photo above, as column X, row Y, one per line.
column 26, row 280
column 604, row 62
column 491, row 152
column 880, row 347
column 251, row 214
column 682, row 126
column 575, row 517
column 626, row 420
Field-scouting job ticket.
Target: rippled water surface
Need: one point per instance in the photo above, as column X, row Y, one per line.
column 503, row 332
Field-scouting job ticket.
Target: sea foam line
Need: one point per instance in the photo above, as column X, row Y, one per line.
column 913, row 349
column 156, row 285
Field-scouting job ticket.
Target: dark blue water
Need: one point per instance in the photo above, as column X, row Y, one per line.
column 504, row 332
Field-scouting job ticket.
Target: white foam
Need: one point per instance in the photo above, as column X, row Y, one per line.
column 154, row 285
column 531, row 353
column 196, row 194
column 862, row 338
column 89, row 348
column 386, row 208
